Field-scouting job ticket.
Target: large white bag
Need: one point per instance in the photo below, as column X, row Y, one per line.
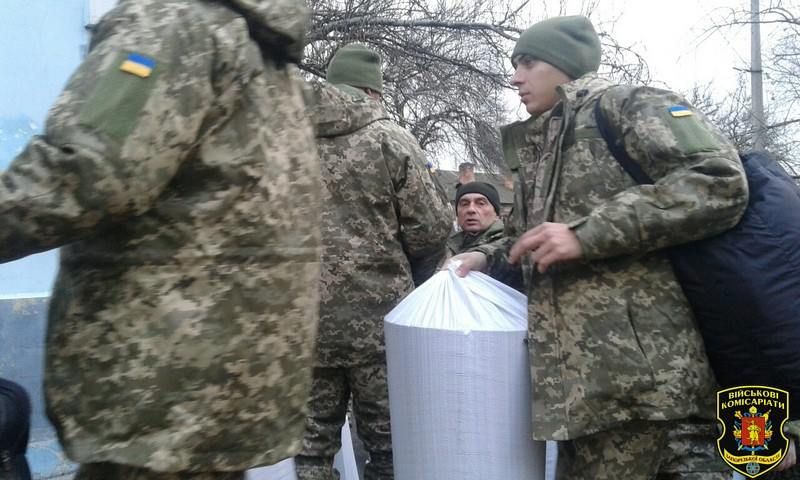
column 459, row 383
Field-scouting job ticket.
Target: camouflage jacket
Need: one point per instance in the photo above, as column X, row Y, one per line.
column 611, row 337
column 384, row 223
column 462, row 241
column 178, row 170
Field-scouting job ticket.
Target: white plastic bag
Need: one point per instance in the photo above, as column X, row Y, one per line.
column 345, row 459
column 459, row 383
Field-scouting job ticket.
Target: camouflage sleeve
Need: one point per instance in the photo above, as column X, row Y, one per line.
column 128, row 116
column 497, row 263
column 425, row 216
column 700, row 187
column 497, row 252
column 513, row 141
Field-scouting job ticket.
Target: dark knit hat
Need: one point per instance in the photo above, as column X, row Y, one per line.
column 483, row 188
column 357, row 66
column 568, row 43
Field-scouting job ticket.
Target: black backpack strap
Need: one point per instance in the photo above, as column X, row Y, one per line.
column 617, row 149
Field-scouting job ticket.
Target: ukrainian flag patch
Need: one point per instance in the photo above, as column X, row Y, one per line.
column 680, row 111
column 139, row 65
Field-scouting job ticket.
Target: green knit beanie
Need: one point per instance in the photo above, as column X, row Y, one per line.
column 568, row 43
column 357, row 66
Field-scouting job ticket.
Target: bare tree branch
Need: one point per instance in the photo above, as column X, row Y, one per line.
column 781, row 67
column 387, row 22
column 446, row 64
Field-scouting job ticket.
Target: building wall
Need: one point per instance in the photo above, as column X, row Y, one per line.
column 41, row 43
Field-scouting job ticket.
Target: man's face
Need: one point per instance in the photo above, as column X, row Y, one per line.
column 475, row 213
column 536, row 82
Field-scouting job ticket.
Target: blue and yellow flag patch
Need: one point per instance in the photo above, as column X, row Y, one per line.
column 139, row 65
column 680, row 111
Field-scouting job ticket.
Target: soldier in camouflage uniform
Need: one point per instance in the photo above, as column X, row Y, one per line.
column 177, row 170
column 384, row 229
column 477, row 214
column 618, row 367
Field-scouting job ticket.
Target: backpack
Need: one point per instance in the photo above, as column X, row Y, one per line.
column 15, row 413
column 743, row 285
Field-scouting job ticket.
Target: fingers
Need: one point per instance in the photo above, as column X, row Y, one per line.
column 469, row 262
column 549, row 243
column 463, row 270
column 543, row 258
column 527, row 242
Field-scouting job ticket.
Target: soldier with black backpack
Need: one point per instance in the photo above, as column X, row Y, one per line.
column 619, row 371
column 15, row 414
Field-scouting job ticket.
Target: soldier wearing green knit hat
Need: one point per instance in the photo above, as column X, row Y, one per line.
column 384, row 230
column 619, row 372
column 356, row 69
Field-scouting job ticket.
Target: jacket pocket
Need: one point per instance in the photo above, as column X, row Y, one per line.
column 618, row 367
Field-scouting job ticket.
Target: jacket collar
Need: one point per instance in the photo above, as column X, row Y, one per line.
column 580, row 91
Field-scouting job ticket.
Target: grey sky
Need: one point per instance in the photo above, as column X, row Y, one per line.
column 673, row 38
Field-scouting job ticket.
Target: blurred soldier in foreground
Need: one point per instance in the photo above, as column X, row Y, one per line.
column 177, row 170
column 384, row 229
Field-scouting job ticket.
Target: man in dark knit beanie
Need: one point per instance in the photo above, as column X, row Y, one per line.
column 477, row 215
column 483, row 189
column 619, row 373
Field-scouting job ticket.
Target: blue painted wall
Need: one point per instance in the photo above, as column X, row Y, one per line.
column 41, row 43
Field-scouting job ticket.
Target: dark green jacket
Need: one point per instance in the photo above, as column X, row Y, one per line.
column 462, row 241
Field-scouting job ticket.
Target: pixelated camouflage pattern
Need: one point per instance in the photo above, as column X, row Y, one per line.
column 183, row 317
column 384, row 223
column 108, row 471
column 521, row 141
column 463, row 241
column 671, row 450
column 279, row 24
column 691, row 452
column 330, row 391
column 612, row 338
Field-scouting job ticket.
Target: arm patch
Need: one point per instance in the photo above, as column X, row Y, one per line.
column 690, row 134
column 117, row 100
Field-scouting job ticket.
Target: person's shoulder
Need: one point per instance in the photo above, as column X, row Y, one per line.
column 396, row 133
column 456, row 235
column 154, row 26
column 164, row 14
column 635, row 98
column 454, row 242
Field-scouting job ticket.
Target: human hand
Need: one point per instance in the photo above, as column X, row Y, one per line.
column 468, row 262
column 549, row 243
